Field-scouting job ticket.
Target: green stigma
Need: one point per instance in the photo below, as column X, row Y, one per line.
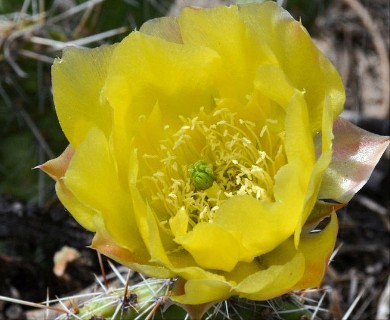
column 201, row 175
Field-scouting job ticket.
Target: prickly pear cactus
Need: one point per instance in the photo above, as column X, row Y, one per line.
column 149, row 299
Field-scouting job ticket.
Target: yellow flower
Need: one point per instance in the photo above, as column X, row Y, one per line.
column 197, row 150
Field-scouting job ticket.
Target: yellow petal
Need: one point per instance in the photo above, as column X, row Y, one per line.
column 179, row 222
column 200, row 291
column 83, row 214
column 262, row 108
column 258, row 228
column 314, row 251
column 184, row 265
column 148, row 228
column 318, row 169
column 297, row 56
column 92, row 178
column 286, row 268
column 150, row 133
column 211, row 246
column 180, row 264
column 240, row 58
column 292, row 181
column 299, row 140
column 146, row 69
column 272, row 82
column 78, row 78
column 242, row 270
column 166, row 28
column 274, row 281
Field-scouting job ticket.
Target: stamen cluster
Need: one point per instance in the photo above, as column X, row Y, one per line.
column 242, row 157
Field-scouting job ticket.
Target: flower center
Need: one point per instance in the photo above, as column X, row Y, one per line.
column 208, row 160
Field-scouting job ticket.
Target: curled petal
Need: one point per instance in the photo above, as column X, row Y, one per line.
column 57, row 167
column 355, row 154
